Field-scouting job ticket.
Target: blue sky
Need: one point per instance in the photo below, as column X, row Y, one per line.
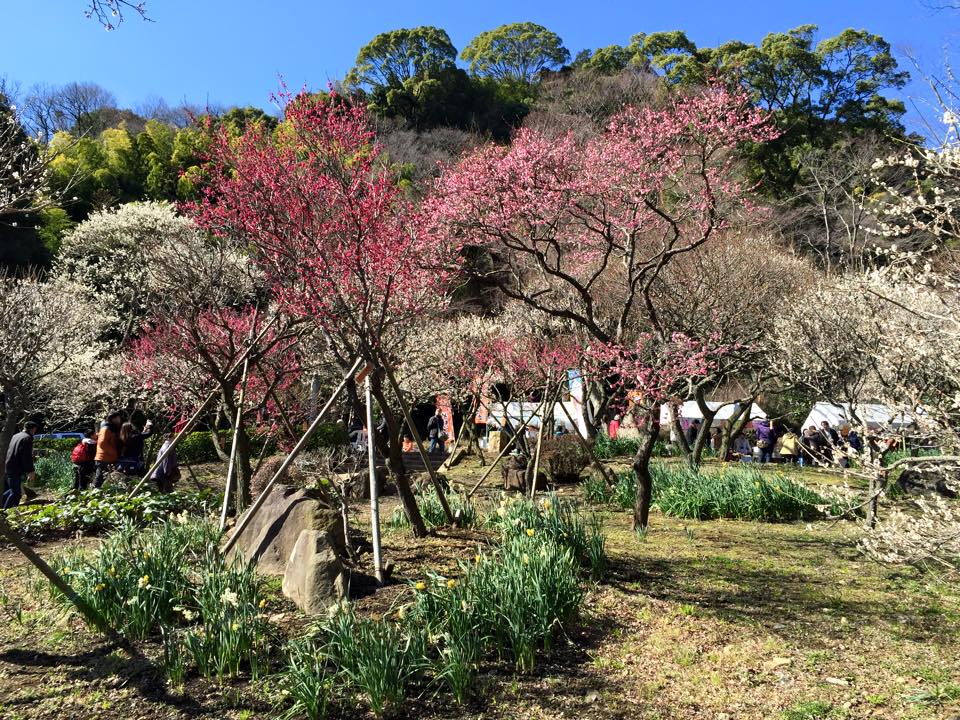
column 234, row 51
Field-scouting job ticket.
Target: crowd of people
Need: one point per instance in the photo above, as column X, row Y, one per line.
column 117, row 446
column 823, row 445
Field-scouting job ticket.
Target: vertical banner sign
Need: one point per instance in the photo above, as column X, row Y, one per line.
column 575, row 406
column 443, row 405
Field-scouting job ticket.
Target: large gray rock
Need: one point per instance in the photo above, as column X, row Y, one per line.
column 295, row 535
column 314, row 577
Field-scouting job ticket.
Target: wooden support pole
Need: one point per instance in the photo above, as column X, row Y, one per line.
column 374, row 489
column 232, row 466
column 506, row 447
column 95, row 618
column 298, row 448
column 203, row 407
column 441, row 496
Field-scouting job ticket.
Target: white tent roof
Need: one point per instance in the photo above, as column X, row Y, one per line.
column 691, row 411
column 874, row 414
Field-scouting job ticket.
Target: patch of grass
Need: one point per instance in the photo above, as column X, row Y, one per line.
column 808, row 710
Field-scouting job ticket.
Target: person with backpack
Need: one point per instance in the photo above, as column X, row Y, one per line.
column 108, row 447
column 83, row 458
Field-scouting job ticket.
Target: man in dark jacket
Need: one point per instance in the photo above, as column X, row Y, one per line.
column 19, row 464
column 436, row 431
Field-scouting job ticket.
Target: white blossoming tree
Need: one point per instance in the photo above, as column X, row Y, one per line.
column 48, row 332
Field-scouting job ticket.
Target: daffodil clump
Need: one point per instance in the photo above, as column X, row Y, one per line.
column 558, row 520
column 138, row 576
column 169, row 578
column 432, row 511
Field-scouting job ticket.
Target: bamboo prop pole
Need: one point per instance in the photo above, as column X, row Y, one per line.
column 536, row 459
column 456, row 442
column 298, row 448
column 441, row 496
column 202, row 409
column 586, row 446
column 95, row 618
column 374, row 490
column 232, row 466
column 506, row 447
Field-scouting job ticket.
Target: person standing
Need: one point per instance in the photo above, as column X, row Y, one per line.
column 167, row 472
column 436, row 431
column 789, row 446
column 614, row 427
column 766, row 437
column 108, row 447
column 131, row 449
column 19, row 464
column 83, row 459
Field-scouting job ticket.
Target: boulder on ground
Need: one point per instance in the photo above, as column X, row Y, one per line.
column 314, row 576
column 295, row 535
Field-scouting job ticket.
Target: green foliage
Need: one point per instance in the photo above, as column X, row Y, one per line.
column 818, row 91
column 57, row 445
column 105, row 508
column 432, row 511
column 55, row 471
column 736, row 492
column 394, row 57
column 557, row 520
column 137, row 577
column 380, row 659
column 605, row 448
column 166, row 577
column 55, row 223
column 232, row 635
column 516, row 51
column 308, row 680
column 892, row 457
column 808, row 710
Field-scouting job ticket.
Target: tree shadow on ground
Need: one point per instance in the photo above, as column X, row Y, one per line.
column 788, row 600
column 98, row 665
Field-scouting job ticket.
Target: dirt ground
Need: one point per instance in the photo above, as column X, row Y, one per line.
column 718, row 620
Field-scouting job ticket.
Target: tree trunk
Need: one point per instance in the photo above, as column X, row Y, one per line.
column 649, row 429
column 394, row 455
column 735, row 426
column 242, row 465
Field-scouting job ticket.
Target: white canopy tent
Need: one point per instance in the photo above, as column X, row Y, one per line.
column 874, row 414
column 518, row 412
column 690, row 411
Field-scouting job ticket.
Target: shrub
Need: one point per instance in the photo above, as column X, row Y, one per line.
column 55, row 445
column 595, row 490
column 564, row 458
column 55, row 471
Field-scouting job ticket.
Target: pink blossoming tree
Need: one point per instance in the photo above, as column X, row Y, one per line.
column 339, row 243
column 582, row 230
